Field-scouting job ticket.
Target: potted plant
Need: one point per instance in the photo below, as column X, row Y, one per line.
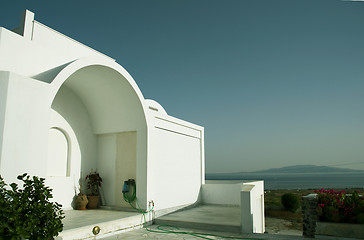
column 93, row 183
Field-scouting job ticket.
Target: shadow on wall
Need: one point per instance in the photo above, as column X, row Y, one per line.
column 72, row 109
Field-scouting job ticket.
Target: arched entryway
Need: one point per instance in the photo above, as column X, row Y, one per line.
column 105, row 112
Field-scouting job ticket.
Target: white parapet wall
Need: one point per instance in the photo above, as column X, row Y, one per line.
column 249, row 195
column 221, row 192
column 252, row 207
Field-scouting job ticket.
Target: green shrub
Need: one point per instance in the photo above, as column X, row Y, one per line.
column 28, row 213
column 290, row 201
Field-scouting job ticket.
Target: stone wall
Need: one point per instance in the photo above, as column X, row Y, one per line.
column 310, row 216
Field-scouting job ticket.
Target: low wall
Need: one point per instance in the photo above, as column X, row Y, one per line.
column 215, row 192
column 249, row 195
column 252, row 207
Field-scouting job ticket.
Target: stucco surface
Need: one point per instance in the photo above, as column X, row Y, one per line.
column 99, row 104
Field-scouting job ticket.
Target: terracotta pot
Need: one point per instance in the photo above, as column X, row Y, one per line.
column 93, row 202
column 81, row 201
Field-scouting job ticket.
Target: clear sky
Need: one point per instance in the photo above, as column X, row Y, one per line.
column 274, row 83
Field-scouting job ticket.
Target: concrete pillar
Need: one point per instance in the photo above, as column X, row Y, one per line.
column 26, row 24
column 310, row 217
column 252, row 208
column 246, row 199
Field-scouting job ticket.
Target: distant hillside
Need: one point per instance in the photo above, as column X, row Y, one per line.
column 308, row 169
column 297, row 177
column 294, row 169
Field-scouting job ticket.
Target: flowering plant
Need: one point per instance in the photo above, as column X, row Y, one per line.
column 339, row 206
column 94, row 182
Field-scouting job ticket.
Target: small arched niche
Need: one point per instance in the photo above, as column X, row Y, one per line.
column 58, row 164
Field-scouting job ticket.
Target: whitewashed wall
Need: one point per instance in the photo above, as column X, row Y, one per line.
column 73, row 110
column 96, row 96
column 40, row 50
column 107, row 153
column 4, row 80
column 71, row 116
column 25, row 127
column 99, row 102
column 175, row 167
column 63, row 161
column 125, row 167
column 117, row 154
column 252, row 207
column 221, row 193
column 249, row 195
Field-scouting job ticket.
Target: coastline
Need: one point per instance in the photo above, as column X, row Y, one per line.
column 276, row 181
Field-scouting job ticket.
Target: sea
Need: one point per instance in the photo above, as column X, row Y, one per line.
column 275, row 181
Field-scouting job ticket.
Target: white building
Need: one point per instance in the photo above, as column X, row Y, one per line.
column 66, row 109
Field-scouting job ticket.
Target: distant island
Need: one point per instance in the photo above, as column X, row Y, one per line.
column 308, row 169
column 298, row 177
column 292, row 169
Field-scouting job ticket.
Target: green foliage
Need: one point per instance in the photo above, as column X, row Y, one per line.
column 27, row 212
column 290, row 201
column 94, row 182
column 339, row 206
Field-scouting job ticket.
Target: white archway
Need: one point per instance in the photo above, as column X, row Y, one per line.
column 105, row 109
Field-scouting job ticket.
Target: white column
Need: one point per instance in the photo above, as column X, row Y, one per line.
column 252, row 208
column 246, row 209
column 27, row 24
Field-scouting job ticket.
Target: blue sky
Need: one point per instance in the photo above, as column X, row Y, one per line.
column 274, row 83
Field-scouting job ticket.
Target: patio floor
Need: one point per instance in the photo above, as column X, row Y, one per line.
column 209, row 219
column 79, row 224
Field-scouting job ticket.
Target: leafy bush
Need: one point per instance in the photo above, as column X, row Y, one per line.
column 28, row 213
column 290, row 201
column 339, row 206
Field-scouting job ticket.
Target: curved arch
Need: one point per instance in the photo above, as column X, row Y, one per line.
column 100, row 100
column 74, row 66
